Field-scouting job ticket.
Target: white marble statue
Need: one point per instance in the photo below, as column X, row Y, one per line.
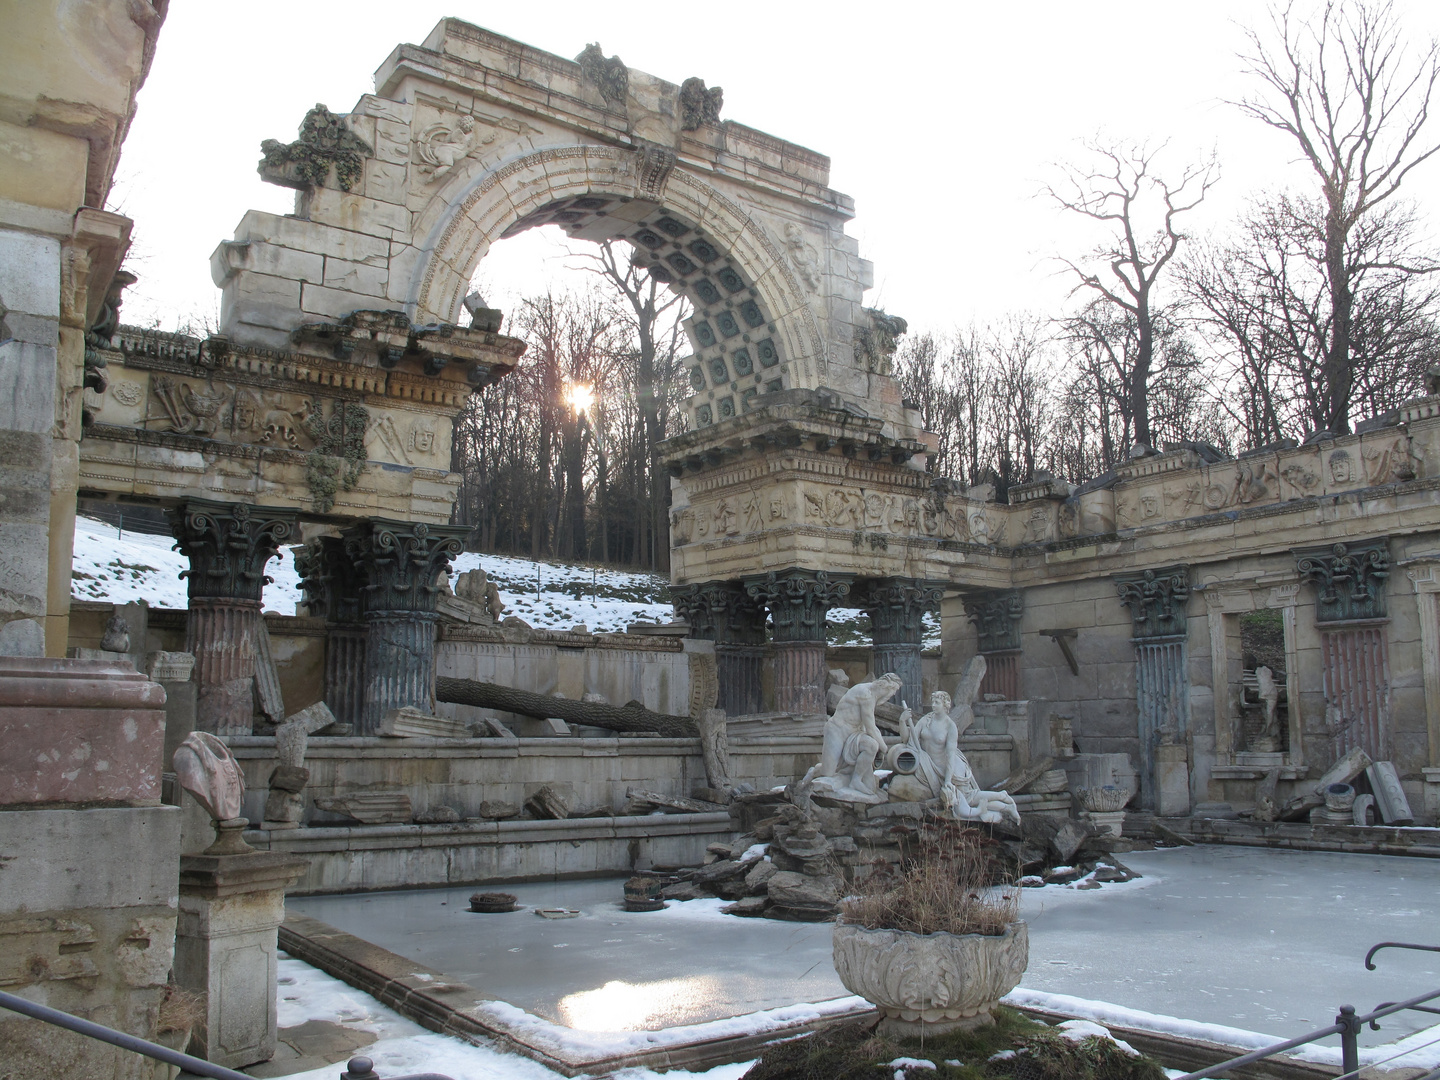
column 205, row 767
column 1269, row 694
column 852, row 741
column 941, row 770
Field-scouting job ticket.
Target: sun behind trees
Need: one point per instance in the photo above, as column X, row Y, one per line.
column 548, row 478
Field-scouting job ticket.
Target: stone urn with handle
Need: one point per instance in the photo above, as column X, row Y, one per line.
column 930, row 983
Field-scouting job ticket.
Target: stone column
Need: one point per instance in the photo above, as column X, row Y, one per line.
column 399, row 562
column 332, row 585
column 228, row 545
column 895, row 606
column 798, row 601
column 231, row 907
column 725, row 613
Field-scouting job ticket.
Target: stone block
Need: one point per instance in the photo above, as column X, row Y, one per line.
column 27, row 385
column 262, row 300
column 356, row 277
column 62, row 859
column 409, row 722
column 314, row 237
column 233, row 257
column 78, row 731
column 316, row 300
column 29, row 273
column 356, row 213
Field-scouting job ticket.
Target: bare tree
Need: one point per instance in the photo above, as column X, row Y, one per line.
column 1263, row 299
column 1123, row 191
column 1354, row 99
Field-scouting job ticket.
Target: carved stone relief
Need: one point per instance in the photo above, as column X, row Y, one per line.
column 1349, row 578
column 803, row 256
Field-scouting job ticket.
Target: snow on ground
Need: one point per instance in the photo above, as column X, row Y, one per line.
column 124, row 566
column 402, row 1046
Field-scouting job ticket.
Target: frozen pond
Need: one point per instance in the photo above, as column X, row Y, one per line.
column 1270, row 941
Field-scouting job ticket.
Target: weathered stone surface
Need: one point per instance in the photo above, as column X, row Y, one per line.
column 748, row 906
column 369, row 808
column 930, row 982
column 719, row 871
column 78, row 731
column 546, row 802
column 409, row 723
column 492, row 810
column 1067, row 840
column 801, row 890
column 437, row 815
column 683, row 890
column 757, row 880
column 205, row 767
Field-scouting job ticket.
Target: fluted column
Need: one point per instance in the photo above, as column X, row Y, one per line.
column 228, row 545
column 798, row 601
column 725, row 613
column 997, row 616
column 896, row 607
column 399, row 562
column 332, row 582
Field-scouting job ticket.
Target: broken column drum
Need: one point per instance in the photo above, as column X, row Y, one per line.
column 399, row 563
column 724, row 612
column 331, row 583
column 798, row 601
column 1156, row 600
column 228, row 546
column 896, row 607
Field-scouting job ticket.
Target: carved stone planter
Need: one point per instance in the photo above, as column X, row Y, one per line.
column 930, row 983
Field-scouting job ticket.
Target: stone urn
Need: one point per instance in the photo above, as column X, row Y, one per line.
column 928, row 984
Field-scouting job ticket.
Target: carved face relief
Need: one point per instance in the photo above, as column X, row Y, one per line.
column 874, row 509
column 1342, row 469
column 422, row 438
column 681, row 524
column 779, row 508
column 1301, row 479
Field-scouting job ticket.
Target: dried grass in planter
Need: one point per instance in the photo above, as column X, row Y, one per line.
column 944, row 886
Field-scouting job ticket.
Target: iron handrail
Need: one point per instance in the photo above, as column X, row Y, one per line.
column 1347, row 1025
column 359, row 1068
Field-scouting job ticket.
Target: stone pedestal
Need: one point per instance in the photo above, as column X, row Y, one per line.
column 798, row 601
column 398, row 563
column 1111, row 821
column 896, row 607
column 228, row 545
column 230, row 909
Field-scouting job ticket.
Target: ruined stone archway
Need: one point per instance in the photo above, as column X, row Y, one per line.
column 752, row 331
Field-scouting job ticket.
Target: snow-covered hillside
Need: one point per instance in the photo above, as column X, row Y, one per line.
column 126, row 566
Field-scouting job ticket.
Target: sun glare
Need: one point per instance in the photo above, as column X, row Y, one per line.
column 580, row 397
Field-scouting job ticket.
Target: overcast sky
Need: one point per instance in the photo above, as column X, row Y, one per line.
column 943, row 121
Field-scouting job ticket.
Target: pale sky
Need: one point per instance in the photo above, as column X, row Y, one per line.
column 943, row 121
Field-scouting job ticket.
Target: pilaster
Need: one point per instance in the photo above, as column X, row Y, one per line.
column 1157, row 601
column 725, row 613
column 996, row 615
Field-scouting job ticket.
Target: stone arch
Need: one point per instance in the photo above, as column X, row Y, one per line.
column 750, row 338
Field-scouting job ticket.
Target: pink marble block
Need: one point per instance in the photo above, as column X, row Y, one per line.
column 79, row 731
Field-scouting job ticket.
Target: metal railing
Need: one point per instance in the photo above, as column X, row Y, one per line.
column 358, row 1068
column 1347, row 1025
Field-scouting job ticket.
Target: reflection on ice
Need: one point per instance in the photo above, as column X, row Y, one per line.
column 622, row 1006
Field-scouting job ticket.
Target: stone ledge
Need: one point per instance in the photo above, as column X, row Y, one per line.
column 1301, row 836
column 438, row 1003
